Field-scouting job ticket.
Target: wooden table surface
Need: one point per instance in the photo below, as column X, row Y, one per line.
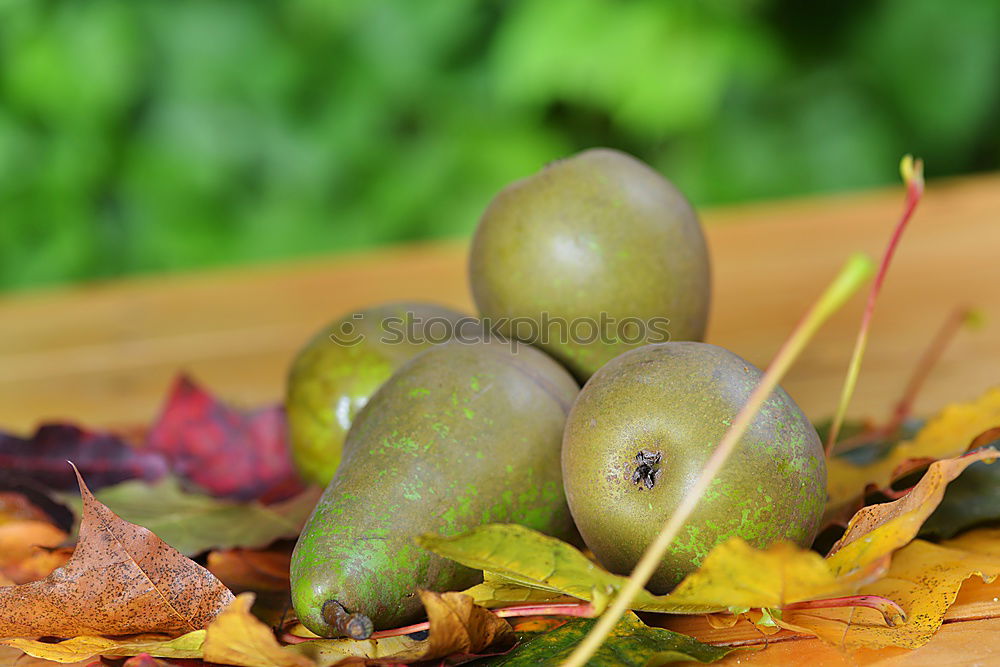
column 104, row 354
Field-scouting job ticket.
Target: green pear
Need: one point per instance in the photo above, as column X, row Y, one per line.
column 592, row 256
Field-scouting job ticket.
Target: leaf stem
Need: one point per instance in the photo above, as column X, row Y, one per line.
column 855, row 272
column 913, row 175
column 892, row 613
column 583, row 610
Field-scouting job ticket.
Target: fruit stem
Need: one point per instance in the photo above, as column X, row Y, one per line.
column 585, row 610
column 855, row 272
column 892, row 613
column 912, row 172
column 355, row 626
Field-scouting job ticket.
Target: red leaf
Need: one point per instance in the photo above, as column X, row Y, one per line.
column 105, row 459
column 227, row 452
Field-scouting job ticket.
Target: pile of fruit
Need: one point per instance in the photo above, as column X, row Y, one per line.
column 423, row 420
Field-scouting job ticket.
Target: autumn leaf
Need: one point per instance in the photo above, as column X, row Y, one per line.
column 16, row 506
column 103, row 458
column 229, row 453
column 84, row 647
column 23, row 557
column 733, row 574
column 924, row 580
column 194, row 523
column 946, row 435
column 497, row 591
column 630, row 644
column 878, row 530
column 457, row 628
column 236, row 637
column 121, row 580
column 246, row 570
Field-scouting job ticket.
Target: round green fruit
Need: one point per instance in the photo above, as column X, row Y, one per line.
column 592, row 256
column 337, row 371
column 642, row 430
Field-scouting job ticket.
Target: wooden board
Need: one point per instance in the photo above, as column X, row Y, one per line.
column 104, row 354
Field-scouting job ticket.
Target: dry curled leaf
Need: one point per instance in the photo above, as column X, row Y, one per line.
column 878, row 530
column 924, row 580
column 458, row 626
column 121, row 580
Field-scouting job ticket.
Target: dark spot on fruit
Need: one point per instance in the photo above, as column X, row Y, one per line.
column 647, row 468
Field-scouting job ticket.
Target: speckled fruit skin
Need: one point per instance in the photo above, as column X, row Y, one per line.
column 678, row 399
column 328, row 383
column 599, row 232
column 463, row 434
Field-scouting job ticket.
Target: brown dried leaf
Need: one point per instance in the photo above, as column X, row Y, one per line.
column 459, row 626
column 121, row 580
column 23, row 556
column 247, row 570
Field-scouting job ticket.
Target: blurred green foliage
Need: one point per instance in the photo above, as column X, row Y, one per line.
column 157, row 135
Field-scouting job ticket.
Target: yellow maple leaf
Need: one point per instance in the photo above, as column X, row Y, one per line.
column 236, row 637
column 84, row 647
column 878, row 530
column 924, row 580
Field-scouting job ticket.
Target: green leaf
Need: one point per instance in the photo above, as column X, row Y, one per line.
column 499, row 591
column 194, row 523
column 971, row 499
column 630, row 644
column 529, row 558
